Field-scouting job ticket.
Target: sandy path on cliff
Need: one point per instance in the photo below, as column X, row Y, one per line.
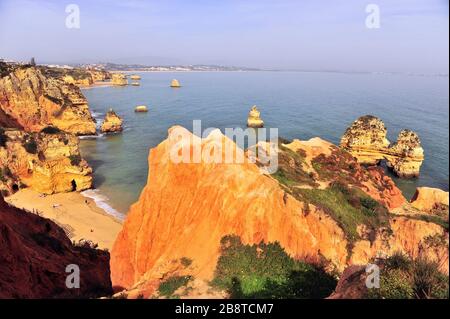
column 79, row 216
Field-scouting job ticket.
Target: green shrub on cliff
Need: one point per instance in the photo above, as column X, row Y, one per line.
column 168, row 287
column 404, row 278
column 266, row 271
column 349, row 207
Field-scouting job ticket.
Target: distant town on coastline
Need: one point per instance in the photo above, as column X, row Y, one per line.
column 107, row 66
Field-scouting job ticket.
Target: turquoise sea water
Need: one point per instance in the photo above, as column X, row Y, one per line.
column 300, row 104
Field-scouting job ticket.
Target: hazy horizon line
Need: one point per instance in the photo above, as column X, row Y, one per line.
column 250, row 68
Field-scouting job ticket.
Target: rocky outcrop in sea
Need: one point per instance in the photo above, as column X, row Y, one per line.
column 112, row 123
column 254, row 118
column 119, row 79
column 366, row 140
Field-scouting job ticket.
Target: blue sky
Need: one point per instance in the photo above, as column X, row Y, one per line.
column 283, row 34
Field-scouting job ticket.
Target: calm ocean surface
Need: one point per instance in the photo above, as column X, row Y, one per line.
column 300, row 104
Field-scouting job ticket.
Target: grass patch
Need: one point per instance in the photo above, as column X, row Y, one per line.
column 349, row 207
column 290, row 168
column 266, row 271
column 170, row 285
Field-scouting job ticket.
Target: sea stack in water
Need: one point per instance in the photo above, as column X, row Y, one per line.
column 141, row 108
column 135, row 77
column 406, row 154
column 112, row 122
column 175, row 84
column 366, row 140
column 254, row 118
column 119, row 79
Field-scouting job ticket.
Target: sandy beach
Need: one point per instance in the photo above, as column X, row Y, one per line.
column 80, row 217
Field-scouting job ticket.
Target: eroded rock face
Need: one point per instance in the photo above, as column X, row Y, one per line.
column 78, row 76
column 35, row 253
column 412, row 236
column 366, row 140
column 100, row 75
column 186, row 208
column 47, row 163
column 406, row 154
column 112, row 123
column 352, row 284
column 31, row 101
column 119, row 79
column 428, row 199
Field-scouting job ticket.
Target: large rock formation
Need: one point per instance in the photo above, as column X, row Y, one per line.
column 175, row 83
column 366, row 140
column 254, row 118
column 47, row 163
column 31, row 101
column 34, row 254
column 99, row 75
column 112, row 122
column 119, row 79
column 77, row 76
column 430, row 199
column 406, row 154
column 186, row 208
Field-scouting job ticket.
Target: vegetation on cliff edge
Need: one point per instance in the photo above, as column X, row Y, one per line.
column 404, row 278
column 266, row 271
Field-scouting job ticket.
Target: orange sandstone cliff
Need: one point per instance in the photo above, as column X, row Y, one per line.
column 47, row 163
column 32, row 100
column 186, row 208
